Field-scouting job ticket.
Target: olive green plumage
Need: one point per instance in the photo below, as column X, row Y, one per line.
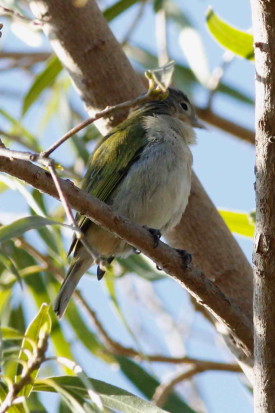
column 143, row 170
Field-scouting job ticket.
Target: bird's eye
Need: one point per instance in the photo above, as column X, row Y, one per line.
column 184, row 106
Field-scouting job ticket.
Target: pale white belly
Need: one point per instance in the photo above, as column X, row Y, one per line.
column 156, row 190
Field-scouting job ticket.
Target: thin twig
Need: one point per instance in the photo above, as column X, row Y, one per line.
column 113, row 346
column 195, row 281
column 134, row 23
column 109, row 110
column 33, row 364
column 69, row 212
column 163, row 390
column 217, row 75
column 13, row 13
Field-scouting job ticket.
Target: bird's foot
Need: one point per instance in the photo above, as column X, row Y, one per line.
column 156, row 234
column 103, row 266
column 185, row 256
column 136, row 251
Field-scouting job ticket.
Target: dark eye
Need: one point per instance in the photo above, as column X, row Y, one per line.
column 184, row 106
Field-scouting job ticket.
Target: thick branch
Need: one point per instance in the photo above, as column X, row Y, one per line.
column 263, row 13
column 204, row 290
column 103, row 76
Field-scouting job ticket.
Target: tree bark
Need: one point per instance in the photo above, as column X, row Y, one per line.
column 263, row 16
column 83, row 42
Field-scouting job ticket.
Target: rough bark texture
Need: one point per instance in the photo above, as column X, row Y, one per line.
column 263, row 13
column 89, row 51
column 103, row 75
column 206, row 292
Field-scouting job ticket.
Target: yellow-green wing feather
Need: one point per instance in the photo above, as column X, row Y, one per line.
column 110, row 162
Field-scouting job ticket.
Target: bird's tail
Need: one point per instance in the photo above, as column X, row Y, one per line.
column 78, row 267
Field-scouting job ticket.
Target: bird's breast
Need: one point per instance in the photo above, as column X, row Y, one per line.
column 156, row 189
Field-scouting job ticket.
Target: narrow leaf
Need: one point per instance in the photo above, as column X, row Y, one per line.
column 112, row 397
column 147, row 384
column 41, row 82
column 239, row 222
column 183, row 75
column 235, row 40
column 117, row 8
column 37, row 329
column 20, row 226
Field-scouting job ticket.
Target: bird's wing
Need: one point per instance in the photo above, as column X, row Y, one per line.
column 110, row 162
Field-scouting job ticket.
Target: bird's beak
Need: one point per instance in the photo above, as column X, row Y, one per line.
column 198, row 124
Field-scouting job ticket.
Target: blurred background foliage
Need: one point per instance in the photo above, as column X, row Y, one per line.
column 136, row 329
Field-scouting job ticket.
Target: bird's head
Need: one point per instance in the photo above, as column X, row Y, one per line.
column 176, row 104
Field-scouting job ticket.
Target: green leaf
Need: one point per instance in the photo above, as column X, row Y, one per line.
column 8, row 333
column 85, row 335
column 36, row 331
column 137, row 264
column 239, row 222
column 42, row 81
column 38, row 287
column 16, row 408
column 147, row 384
column 119, row 7
column 237, row 41
column 10, row 266
column 112, row 397
column 20, row 130
column 20, row 226
column 183, row 75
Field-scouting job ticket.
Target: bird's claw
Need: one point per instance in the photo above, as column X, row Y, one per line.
column 156, row 235
column 185, row 256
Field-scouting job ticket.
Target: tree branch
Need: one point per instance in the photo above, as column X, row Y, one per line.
column 35, row 362
column 163, row 390
column 263, row 16
column 103, row 76
column 204, row 290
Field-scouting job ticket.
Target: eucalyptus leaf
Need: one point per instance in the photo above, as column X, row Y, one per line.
column 20, row 226
column 37, row 329
column 112, row 397
column 183, row 75
column 118, row 8
column 147, row 384
column 42, row 81
column 235, row 40
column 239, row 222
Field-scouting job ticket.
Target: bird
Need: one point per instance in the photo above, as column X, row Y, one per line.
column 142, row 169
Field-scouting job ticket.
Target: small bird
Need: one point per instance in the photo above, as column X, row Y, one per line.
column 143, row 170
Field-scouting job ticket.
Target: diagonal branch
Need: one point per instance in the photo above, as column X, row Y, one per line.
column 205, row 291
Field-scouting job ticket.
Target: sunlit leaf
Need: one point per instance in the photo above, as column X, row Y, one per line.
column 183, row 76
column 94, row 397
column 112, row 397
column 41, row 82
column 20, row 226
column 38, row 287
column 235, row 40
column 239, row 222
column 9, row 333
column 36, row 331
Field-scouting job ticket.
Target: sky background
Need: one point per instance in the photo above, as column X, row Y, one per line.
column 223, row 163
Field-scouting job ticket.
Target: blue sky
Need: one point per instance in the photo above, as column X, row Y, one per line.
column 224, row 165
